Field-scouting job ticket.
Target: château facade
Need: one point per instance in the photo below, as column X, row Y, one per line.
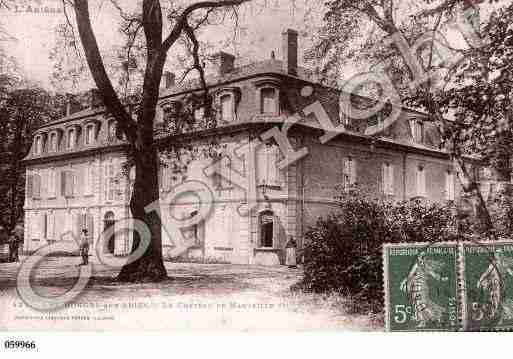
column 75, row 176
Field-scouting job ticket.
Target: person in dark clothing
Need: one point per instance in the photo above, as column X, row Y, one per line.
column 15, row 242
column 84, row 247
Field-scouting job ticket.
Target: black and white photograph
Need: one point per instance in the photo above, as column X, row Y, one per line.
column 255, row 166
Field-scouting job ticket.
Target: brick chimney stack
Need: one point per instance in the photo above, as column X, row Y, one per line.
column 169, row 79
column 225, row 63
column 290, row 51
column 95, row 98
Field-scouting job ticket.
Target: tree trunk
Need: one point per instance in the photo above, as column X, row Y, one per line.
column 150, row 266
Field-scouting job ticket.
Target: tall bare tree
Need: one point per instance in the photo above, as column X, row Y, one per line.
column 140, row 132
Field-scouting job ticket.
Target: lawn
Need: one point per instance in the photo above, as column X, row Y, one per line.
column 196, row 297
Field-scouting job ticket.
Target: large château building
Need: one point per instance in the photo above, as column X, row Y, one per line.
column 75, row 176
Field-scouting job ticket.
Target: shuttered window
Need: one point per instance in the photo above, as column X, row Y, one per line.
column 110, row 182
column 268, row 101
column 226, row 108
column 421, row 181
column 67, row 183
column 388, row 179
column 449, row 186
column 36, row 189
column 30, row 186
column 349, row 173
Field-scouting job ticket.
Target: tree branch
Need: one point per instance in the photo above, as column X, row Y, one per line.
column 95, row 62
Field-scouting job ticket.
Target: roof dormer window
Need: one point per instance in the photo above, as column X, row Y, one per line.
column 269, row 101
column 38, row 145
column 72, row 139
column 53, row 142
column 90, row 134
column 268, row 96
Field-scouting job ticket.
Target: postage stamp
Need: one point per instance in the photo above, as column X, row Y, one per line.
column 488, row 286
column 421, row 287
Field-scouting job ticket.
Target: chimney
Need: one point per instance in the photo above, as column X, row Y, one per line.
column 290, row 51
column 95, row 98
column 69, row 98
column 225, row 63
column 169, row 79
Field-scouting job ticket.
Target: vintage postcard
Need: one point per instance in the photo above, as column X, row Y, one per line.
column 251, row 165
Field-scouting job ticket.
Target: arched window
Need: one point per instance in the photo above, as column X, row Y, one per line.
column 267, row 228
column 268, row 101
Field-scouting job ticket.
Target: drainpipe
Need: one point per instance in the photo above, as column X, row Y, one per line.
column 404, row 176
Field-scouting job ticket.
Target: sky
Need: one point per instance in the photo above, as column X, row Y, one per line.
column 260, row 24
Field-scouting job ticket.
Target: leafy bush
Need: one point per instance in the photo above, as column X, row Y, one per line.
column 344, row 251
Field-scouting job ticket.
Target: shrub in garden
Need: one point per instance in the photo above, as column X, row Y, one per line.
column 344, row 251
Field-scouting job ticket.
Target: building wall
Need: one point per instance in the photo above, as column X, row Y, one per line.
column 61, row 212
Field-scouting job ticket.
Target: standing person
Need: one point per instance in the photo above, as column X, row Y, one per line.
column 291, row 253
column 16, row 242
column 84, row 247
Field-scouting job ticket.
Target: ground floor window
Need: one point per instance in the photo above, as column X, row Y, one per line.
column 266, row 224
column 108, row 222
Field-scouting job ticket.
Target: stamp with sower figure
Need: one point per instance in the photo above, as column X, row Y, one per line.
column 488, row 286
column 421, row 287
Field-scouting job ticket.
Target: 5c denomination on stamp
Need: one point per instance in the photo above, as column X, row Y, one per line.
column 488, row 284
column 421, row 287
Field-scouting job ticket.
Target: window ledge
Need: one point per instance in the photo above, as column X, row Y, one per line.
column 267, row 250
column 226, row 249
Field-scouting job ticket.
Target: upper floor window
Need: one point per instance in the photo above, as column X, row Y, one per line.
column 349, row 173
column 68, row 183
column 34, row 186
column 269, row 101
column 72, row 139
column 388, row 179
column 227, row 108
column 268, row 172
column 421, row 181
column 90, row 134
column 449, row 186
column 417, row 128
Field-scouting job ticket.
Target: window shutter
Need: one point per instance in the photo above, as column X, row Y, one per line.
column 37, row 186
column 76, row 225
column 276, row 232
column 63, row 183
column 30, row 186
column 43, row 228
column 51, row 226
column 90, row 225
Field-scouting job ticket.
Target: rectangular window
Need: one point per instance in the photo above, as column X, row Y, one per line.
column 36, row 190
column 67, row 183
column 51, row 184
column 421, row 181
column 449, row 186
column 349, row 174
column 110, row 185
column 226, row 108
column 388, row 179
column 417, row 128
column 88, row 179
column 268, row 104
